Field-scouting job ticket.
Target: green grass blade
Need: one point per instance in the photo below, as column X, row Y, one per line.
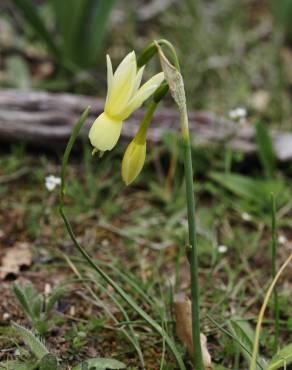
column 14, row 365
column 281, row 359
column 95, row 25
column 101, row 364
column 33, row 18
column 68, row 24
column 124, row 295
column 53, row 298
column 265, row 149
column 241, row 344
column 131, row 335
column 89, row 260
column 82, row 29
column 245, row 336
column 48, row 362
column 274, row 271
column 69, row 147
column 19, row 293
column 262, row 312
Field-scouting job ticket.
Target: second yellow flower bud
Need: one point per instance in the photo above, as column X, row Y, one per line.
column 133, row 160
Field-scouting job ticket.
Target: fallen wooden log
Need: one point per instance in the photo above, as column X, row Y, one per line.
column 45, row 119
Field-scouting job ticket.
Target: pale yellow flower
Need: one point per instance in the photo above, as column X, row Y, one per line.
column 123, row 97
column 133, row 160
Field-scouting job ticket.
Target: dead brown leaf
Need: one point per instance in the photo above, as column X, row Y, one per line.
column 14, row 258
column 183, row 315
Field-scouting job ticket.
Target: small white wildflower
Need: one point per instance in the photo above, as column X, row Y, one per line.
column 51, row 182
column 6, row 316
column 246, row 216
column 184, row 222
column 238, row 114
column 170, row 282
column 105, row 242
column 282, row 239
column 72, row 311
column 222, row 249
column 48, row 289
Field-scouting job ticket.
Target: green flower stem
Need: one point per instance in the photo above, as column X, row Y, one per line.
column 158, row 95
column 140, row 137
column 93, row 265
column 176, row 86
column 151, row 50
column 193, row 255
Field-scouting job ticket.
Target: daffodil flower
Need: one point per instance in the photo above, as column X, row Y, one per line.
column 123, row 97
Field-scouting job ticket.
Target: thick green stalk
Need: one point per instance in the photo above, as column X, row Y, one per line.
column 176, row 86
column 193, row 255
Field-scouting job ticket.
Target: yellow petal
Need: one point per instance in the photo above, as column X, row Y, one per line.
column 141, row 95
column 105, row 132
column 122, row 85
column 109, row 76
column 133, row 161
column 138, row 79
column 153, row 83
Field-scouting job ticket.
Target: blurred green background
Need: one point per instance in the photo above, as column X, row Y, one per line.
column 233, row 53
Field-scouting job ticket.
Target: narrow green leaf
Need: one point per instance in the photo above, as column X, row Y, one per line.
column 68, row 24
column 128, row 299
column 281, row 359
column 53, row 298
column 21, row 296
column 265, row 149
column 29, row 10
column 95, row 26
column 37, row 306
column 18, row 72
column 35, row 344
column 252, row 190
column 219, row 367
column 242, row 186
column 245, row 336
column 48, row 362
column 14, row 365
column 102, row 364
column 68, row 149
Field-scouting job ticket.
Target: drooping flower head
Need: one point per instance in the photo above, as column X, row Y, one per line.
column 123, row 97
